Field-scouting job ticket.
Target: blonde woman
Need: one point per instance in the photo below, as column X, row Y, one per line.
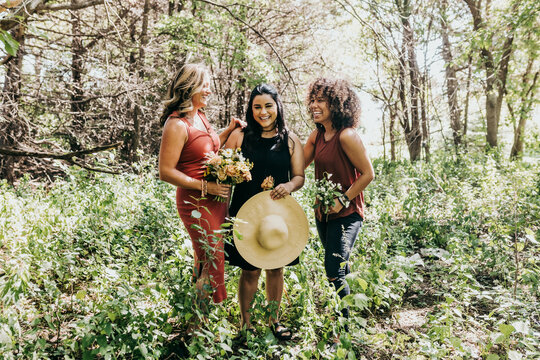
column 187, row 137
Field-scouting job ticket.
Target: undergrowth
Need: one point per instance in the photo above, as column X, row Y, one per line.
column 98, row 266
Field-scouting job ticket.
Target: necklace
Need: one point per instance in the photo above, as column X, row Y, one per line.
column 270, row 130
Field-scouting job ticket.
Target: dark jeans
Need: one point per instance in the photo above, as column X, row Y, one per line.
column 338, row 237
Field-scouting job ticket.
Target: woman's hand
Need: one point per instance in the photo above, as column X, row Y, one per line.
column 336, row 207
column 235, row 123
column 222, row 190
column 281, row 190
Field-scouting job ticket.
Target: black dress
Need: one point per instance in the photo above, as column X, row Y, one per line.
column 269, row 159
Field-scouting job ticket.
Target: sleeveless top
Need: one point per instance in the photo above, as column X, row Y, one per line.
column 331, row 158
column 195, row 148
column 267, row 160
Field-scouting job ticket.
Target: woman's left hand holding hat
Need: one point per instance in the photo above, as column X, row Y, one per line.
column 281, row 190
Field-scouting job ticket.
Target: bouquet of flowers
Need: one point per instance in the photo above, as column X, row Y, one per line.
column 325, row 192
column 227, row 166
column 268, row 183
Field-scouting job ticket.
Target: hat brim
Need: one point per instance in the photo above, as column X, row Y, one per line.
column 247, row 225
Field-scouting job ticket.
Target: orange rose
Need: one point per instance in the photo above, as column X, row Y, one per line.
column 268, row 183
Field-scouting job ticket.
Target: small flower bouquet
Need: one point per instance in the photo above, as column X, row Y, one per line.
column 227, row 166
column 325, row 192
column 268, row 183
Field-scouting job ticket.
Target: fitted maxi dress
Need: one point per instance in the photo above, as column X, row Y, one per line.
column 207, row 245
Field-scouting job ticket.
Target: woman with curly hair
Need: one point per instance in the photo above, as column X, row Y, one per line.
column 339, row 152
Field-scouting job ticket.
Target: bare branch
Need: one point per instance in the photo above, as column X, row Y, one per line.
column 19, row 16
column 6, row 59
column 266, row 41
column 67, row 156
column 69, row 6
column 86, row 167
column 30, row 7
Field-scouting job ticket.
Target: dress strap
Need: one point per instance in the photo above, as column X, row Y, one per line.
column 205, row 121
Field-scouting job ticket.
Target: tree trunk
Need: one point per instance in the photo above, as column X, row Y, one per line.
column 517, row 146
column 496, row 72
column 413, row 134
column 137, row 113
column 240, row 97
column 425, row 123
column 172, row 5
column 527, row 95
column 467, row 97
column 451, row 83
column 392, row 136
column 77, row 106
column 13, row 130
column 492, row 118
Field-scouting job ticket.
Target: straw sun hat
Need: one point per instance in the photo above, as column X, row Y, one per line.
column 272, row 232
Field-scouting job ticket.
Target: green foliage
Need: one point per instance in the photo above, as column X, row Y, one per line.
column 446, row 266
column 10, row 44
column 203, row 33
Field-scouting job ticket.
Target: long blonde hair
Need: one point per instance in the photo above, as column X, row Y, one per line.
column 187, row 81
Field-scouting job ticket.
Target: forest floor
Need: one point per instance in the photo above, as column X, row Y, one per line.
column 446, row 266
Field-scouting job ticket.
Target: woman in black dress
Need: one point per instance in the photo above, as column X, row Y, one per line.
column 277, row 152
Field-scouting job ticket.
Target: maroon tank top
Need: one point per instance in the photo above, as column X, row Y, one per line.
column 331, row 158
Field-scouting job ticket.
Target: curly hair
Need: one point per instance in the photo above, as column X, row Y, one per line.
column 253, row 130
column 186, row 82
column 343, row 102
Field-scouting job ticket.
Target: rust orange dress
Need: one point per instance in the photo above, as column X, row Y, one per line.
column 207, row 245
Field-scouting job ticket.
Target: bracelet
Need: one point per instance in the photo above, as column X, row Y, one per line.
column 204, row 189
column 344, row 200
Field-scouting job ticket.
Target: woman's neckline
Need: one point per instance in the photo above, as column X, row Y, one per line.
column 333, row 136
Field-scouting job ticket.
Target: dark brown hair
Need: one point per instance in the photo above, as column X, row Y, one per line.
column 343, row 101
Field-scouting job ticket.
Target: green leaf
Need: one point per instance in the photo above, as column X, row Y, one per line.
column 5, row 338
column 499, row 338
column 112, row 316
column 107, row 329
column 195, row 214
column 363, row 283
column 514, row 355
column 11, row 45
column 492, row 357
column 456, row 342
column 226, row 347
column 506, row 329
column 531, row 236
column 81, row 294
column 143, row 349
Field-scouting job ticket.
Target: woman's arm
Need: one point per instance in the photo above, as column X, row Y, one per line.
column 309, row 149
column 297, row 171
column 233, row 125
column 357, row 154
column 173, row 140
column 235, row 139
column 172, row 143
